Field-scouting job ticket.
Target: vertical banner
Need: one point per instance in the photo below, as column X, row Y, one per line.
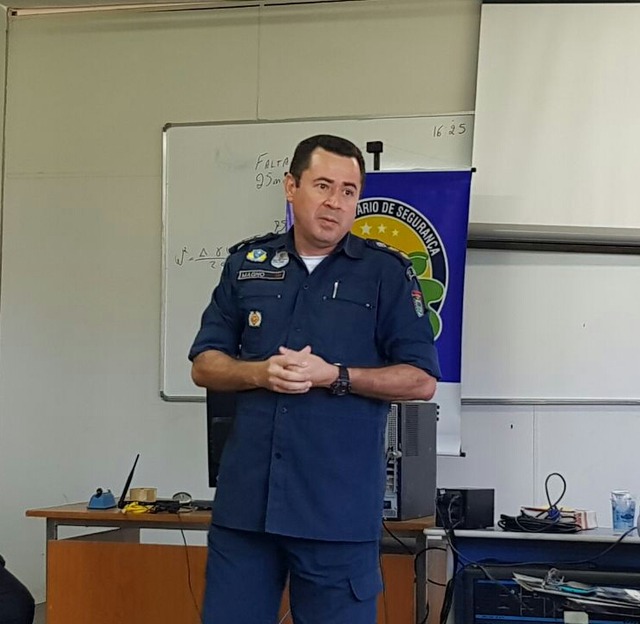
column 425, row 214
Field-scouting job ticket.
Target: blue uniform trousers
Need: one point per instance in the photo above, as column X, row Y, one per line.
column 329, row 582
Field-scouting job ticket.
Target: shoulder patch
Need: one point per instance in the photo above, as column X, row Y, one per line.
column 260, row 238
column 396, row 253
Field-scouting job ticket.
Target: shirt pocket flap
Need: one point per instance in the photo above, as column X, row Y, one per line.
column 361, row 293
column 366, row 586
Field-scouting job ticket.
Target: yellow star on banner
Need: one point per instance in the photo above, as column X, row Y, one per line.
column 366, row 228
column 382, row 228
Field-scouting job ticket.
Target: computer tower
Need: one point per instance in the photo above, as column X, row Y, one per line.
column 410, row 444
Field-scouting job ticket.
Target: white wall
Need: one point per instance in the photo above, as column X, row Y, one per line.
column 87, row 97
column 514, row 448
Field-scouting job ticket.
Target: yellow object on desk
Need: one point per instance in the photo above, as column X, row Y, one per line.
column 136, row 508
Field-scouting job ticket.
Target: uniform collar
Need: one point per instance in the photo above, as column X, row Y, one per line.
column 352, row 245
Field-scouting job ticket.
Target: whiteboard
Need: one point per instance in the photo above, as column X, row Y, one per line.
column 223, row 183
column 551, row 326
column 557, row 132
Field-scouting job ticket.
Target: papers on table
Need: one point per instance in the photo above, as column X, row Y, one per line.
column 625, row 601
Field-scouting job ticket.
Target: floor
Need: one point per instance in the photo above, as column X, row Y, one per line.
column 40, row 614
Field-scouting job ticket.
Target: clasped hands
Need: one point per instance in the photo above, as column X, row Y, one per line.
column 296, row 372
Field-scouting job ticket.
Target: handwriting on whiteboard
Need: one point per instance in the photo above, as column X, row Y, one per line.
column 451, row 129
column 214, row 255
column 266, row 180
column 269, row 170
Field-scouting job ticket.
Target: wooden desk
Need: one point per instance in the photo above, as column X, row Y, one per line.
column 110, row 577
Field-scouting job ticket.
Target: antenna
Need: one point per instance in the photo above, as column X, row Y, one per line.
column 123, row 496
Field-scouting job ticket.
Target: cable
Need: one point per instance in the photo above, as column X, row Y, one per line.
column 397, row 539
column 186, row 551
column 448, row 592
column 415, row 555
column 605, row 551
column 416, row 558
column 550, row 520
column 471, row 562
column 285, row 616
column 528, row 524
column 457, row 557
column 447, row 600
column 546, row 489
column 426, row 615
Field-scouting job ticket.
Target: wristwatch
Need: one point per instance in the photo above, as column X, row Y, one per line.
column 342, row 385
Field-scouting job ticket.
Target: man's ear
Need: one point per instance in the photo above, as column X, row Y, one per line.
column 289, row 186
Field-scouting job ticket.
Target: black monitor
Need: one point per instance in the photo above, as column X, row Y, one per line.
column 221, row 409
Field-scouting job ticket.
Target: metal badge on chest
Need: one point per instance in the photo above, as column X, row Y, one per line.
column 255, row 318
column 280, row 259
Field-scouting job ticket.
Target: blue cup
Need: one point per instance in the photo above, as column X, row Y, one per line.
column 623, row 510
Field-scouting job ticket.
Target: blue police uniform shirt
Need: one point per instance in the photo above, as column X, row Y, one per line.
column 312, row 465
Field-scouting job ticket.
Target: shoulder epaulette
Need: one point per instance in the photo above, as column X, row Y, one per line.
column 396, row 253
column 261, row 238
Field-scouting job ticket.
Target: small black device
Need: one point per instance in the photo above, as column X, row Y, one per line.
column 465, row 508
column 411, row 460
column 342, row 385
column 123, row 497
column 375, row 148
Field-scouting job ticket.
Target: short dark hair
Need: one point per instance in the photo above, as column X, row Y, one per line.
column 330, row 143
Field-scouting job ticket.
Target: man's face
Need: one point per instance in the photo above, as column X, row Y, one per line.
column 324, row 203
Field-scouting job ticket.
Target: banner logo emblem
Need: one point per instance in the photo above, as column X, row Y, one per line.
column 401, row 226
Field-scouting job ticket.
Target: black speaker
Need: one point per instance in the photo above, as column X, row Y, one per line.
column 465, row 508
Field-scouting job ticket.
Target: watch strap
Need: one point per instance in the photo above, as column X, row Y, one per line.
column 342, row 385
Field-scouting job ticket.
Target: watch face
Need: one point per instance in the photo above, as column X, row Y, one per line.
column 342, row 388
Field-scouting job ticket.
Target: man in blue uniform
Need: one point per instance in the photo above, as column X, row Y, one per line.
column 316, row 330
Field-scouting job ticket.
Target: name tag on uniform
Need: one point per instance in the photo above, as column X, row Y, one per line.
column 259, row 274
